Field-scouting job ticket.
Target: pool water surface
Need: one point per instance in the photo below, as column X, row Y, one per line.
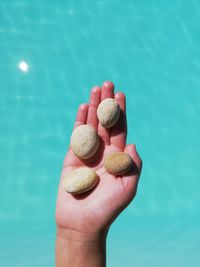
column 51, row 54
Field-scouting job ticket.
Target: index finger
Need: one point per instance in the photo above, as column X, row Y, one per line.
column 81, row 117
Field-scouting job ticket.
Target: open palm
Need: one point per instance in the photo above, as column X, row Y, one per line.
column 95, row 210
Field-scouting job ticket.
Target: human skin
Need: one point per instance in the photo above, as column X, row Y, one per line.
column 83, row 220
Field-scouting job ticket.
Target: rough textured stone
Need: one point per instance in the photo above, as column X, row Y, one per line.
column 80, row 180
column 84, row 141
column 118, row 163
column 108, row 112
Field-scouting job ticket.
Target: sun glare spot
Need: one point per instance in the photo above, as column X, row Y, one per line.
column 23, row 66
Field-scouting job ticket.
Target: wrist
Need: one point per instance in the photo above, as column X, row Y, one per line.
column 81, row 237
column 76, row 249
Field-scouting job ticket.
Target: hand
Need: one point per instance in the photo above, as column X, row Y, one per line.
column 94, row 211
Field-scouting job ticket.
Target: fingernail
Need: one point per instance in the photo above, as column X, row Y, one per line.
column 108, row 84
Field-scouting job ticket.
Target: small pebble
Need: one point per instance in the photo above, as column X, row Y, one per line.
column 80, row 180
column 84, row 141
column 118, row 163
column 108, row 112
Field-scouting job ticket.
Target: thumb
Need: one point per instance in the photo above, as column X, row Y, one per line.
column 132, row 152
column 130, row 180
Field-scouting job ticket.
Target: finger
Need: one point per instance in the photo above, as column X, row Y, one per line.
column 106, row 92
column 130, row 180
column 81, row 117
column 95, row 98
column 132, row 152
column 119, row 131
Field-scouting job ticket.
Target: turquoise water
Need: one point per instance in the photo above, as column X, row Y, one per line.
column 150, row 50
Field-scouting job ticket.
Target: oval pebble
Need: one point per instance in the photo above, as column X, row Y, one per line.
column 108, row 112
column 80, row 180
column 118, row 163
column 84, row 141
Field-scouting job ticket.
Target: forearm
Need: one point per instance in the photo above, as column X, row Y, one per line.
column 80, row 250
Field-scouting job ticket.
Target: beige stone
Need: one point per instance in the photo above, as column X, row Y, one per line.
column 108, row 112
column 118, row 163
column 80, row 180
column 84, row 141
